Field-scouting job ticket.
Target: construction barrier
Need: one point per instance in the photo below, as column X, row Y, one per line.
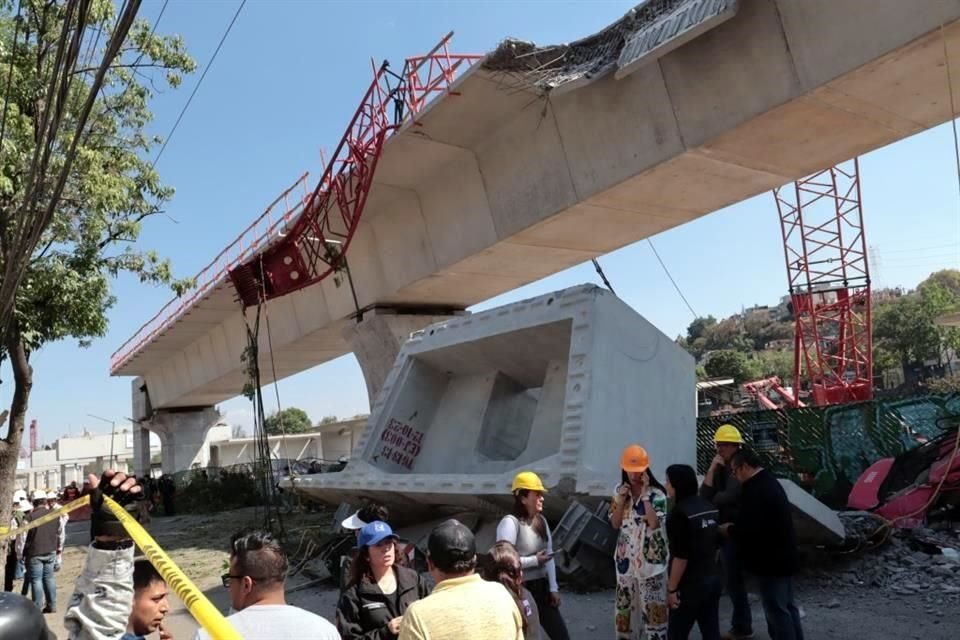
column 826, row 449
column 197, row 604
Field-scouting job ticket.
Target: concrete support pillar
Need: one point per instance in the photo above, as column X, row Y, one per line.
column 141, row 449
column 376, row 341
column 183, row 436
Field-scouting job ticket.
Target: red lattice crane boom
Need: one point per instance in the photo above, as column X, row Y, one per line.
column 314, row 245
column 826, row 254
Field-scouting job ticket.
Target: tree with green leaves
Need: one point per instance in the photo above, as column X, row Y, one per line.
column 76, row 184
column 698, row 327
column 287, row 421
column 776, row 363
column 729, row 363
column 905, row 329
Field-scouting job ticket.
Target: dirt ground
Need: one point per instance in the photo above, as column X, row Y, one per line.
column 198, row 543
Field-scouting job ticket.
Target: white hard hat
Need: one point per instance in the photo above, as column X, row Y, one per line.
column 20, row 494
column 39, row 494
column 52, row 495
column 353, row 523
column 25, row 506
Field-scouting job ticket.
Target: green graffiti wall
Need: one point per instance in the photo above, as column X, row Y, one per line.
column 825, row 449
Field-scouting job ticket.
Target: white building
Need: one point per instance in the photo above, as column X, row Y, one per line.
column 70, row 459
column 328, row 442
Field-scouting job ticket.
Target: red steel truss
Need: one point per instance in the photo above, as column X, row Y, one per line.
column 293, row 218
column 315, row 245
column 826, row 255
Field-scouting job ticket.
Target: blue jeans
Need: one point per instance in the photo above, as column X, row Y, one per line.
column 742, row 621
column 700, row 605
column 783, row 617
column 41, row 580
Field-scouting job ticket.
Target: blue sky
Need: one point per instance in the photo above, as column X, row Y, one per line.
column 283, row 87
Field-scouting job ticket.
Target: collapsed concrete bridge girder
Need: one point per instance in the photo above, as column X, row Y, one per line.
column 500, row 185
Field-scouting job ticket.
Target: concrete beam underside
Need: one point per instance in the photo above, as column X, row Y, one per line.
column 495, row 189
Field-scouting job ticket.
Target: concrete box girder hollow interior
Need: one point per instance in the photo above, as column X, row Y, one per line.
column 557, row 384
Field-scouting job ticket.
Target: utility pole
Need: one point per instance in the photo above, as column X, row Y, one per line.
column 113, row 431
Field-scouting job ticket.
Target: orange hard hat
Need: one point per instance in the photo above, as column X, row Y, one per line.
column 635, row 459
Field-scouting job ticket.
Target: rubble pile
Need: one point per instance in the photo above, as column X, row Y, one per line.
column 548, row 67
column 910, row 562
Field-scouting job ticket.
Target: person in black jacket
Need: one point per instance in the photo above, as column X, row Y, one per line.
column 722, row 489
column 767, row 543
column 378, row 591
column 693, row 589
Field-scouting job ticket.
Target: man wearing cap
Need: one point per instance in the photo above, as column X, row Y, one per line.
column 21, row 543
column 721, row 488
column 463, row 606
column 17, row 518
column 366, row 515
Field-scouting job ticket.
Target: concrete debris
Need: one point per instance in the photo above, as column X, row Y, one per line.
column 905, row 564
column 546, row 68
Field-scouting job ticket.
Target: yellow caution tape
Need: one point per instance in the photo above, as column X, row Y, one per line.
column 200, row 608
column 198, row 605
column 5, row 532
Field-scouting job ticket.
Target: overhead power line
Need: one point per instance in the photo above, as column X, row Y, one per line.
column 199, row 82
column 674, row 282
column 603, row 276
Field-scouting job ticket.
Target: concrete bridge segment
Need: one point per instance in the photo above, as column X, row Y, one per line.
column 498, row 186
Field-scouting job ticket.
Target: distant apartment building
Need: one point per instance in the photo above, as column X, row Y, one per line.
column 327, row 442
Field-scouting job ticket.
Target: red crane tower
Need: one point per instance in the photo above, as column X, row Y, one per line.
column 829, row 278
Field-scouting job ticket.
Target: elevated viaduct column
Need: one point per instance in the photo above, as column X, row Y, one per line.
column 183, row 433
column 376, row 340
column 183, row 436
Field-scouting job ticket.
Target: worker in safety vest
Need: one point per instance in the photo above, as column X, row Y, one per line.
column 722, row 489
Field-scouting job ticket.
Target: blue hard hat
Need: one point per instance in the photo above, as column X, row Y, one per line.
column 374, row 533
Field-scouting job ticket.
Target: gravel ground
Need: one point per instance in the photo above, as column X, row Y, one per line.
column 838, row 597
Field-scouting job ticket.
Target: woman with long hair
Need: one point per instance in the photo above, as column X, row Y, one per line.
column 693, row 592
column 639, row 510
column 378, row 591
column 504, row 567
column 528, row 531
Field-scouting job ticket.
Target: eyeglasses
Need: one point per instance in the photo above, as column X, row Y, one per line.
column 226, row 578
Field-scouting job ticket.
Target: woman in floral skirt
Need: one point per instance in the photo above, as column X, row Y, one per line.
column 639, row 511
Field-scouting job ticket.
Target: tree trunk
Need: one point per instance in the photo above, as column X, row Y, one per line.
column 10, row 446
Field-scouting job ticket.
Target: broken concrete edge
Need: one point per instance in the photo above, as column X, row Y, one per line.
column 645, row 33
column 816, row 523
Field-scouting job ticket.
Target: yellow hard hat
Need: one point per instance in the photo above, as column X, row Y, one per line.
column 728, row 433
column 528, row 480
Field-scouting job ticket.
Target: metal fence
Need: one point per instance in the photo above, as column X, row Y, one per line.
column 241, row 485
column 825, row 449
